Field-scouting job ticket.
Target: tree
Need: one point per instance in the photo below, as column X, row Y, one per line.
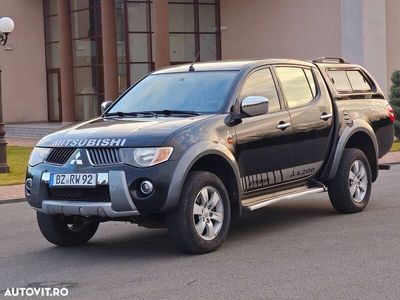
column 395, row 100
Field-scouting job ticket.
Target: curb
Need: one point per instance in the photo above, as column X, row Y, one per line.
column 12, row 201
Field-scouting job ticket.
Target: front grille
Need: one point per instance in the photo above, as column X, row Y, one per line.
column 104, row 156
column 97, row 194
column 59, row 156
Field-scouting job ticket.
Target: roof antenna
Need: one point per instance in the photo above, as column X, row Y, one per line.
column 191, row 68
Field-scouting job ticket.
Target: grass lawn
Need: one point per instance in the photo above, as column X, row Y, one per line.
column 17, row 158
column 396, row 146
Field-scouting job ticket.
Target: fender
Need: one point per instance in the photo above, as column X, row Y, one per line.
column 188, row 159
column 348, row 132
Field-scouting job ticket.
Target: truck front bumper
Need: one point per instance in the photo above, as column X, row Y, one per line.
column 116, row 193
column 121, row 204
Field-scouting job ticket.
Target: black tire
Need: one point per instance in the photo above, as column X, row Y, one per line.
column 181, row 221
column 62, row 231
column 341, row 187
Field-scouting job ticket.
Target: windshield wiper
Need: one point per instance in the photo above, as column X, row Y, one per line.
column 169, row 112
column 120, row 114
column 152, row 113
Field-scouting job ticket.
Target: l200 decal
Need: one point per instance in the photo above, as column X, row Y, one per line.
column 262, row 180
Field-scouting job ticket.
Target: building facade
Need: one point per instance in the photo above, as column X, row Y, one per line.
column 65, row 57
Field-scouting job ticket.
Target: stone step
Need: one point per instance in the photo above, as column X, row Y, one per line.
column 32, row 130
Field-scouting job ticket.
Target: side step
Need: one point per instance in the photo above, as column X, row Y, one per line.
column 265, row 200
column 384, row 167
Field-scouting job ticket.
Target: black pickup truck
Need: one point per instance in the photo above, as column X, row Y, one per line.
column 192, row 146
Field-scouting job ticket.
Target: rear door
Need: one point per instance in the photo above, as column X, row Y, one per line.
column 311, row 113
column 264, row 147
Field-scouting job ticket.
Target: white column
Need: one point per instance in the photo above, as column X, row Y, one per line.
column 364, row 36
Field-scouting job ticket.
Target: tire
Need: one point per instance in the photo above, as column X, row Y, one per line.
column 212, row 223
column 60, row 231
column 350, row 190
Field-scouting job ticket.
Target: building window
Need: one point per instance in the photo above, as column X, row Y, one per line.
column 194, row 29
column 51, row 34
column 52, row 47
column 134, row 38
column 87, row 57
column 123, row 81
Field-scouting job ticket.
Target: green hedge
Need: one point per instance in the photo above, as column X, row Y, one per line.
column 395, row 100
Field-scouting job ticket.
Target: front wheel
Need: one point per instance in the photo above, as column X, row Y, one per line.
column 350, row 190
column 66, row 231
column 200, row 223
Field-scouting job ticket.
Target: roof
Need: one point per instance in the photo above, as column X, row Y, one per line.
column 230, row 65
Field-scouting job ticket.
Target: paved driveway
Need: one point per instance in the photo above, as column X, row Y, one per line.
column 295, row 249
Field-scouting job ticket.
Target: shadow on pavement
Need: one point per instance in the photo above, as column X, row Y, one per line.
column 156, row 243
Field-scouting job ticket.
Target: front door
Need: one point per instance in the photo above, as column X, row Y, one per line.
column 54, row 95
column 264, row 145
column 310, row 109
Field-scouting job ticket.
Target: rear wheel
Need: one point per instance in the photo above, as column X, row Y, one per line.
column 66, row 231
column 200, row 223
column 350, row 190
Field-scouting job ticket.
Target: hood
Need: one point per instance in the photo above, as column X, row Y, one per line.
column 115, row 132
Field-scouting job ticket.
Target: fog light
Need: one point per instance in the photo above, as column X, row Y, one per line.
column 28, row 187
column 146, row 187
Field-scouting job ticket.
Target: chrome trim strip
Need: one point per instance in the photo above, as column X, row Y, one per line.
column 285, row 197
column 99, row 153
column 83, row 208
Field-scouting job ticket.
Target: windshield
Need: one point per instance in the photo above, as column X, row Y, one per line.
column 198, row 92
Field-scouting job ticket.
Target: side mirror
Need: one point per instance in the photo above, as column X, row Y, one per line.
column 105, row 105
column 254, row 106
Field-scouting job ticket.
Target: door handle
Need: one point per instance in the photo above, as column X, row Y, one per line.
column 325, row 116
column 282, row 125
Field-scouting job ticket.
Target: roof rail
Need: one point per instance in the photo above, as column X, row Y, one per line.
column 335, row 60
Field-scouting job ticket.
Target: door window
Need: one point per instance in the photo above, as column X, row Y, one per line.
column 295, row 86
column 261, row 83
column 311, row 81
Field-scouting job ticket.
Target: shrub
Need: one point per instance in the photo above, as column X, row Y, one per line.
column 395, row 100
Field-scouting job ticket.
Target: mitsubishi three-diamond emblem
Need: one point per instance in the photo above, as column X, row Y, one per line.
column 77, row 160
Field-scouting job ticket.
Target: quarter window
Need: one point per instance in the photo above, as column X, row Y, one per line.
column 358, row 81
column 261, row 83
column 295, row 86
column 349, row 81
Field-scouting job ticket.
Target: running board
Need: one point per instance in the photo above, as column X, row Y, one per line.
column 266, row 200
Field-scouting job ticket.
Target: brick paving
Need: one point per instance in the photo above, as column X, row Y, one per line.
column 12, row 141
column 391, row 158
column 11, row 192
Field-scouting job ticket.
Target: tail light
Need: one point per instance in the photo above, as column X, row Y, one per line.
column 390, row 112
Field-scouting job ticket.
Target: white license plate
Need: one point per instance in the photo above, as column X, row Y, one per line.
column 65, row 180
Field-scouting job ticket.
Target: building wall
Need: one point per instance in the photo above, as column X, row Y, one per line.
column 375, row 52
column 303, row 29
column 352, row 29
column 23, row 67
column 392, row 37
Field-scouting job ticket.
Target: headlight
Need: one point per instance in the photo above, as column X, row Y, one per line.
column 38, row 156
column 146, row 157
